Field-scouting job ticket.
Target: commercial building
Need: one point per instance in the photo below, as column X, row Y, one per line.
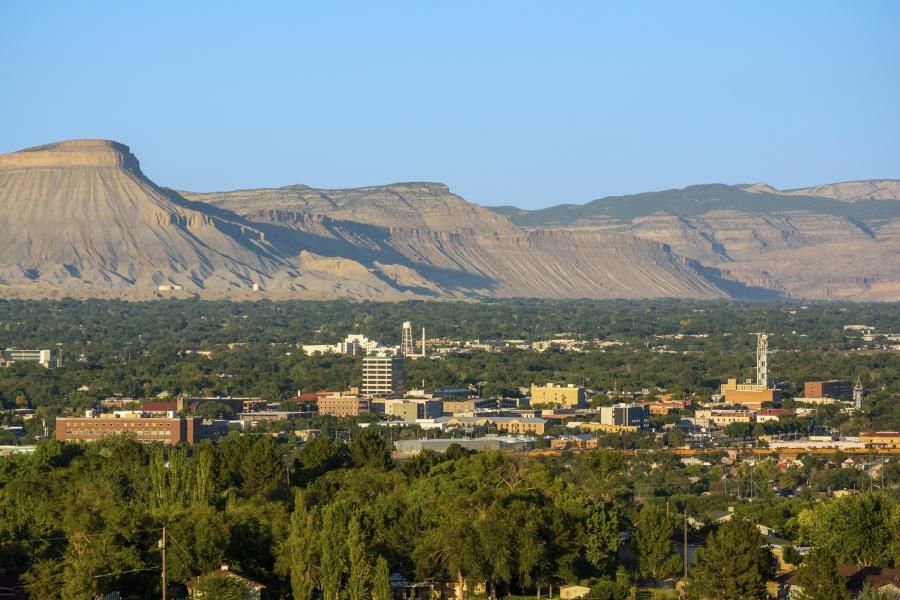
column 382, row 376
column 516, row 425
column 834, row 388
column 352, row 344
column 773, row 414
column 173, row 430
column 880, row 439
column 567, row 396
column 488, row 442
column 343, row 405
column 412, row 409
column 666, row 407
column 575, row 441
column 472, row 404
column 250, row 419
column 723, row 418
column 45, row 358
column 627, row 415
column 751, row 395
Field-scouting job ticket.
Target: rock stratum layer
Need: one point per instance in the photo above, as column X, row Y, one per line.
column 80, row 219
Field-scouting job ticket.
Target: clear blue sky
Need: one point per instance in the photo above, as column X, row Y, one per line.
column 507, row 102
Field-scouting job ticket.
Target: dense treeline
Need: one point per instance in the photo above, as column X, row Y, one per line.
column 328, row 520
column 111, row 326
column 144, row 349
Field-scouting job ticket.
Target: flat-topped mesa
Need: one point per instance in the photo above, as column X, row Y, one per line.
column 72, row 154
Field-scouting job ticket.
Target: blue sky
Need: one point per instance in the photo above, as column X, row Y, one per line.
column 519, row 103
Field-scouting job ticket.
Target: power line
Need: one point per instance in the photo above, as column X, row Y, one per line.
column 124, row 572
column 67, row 537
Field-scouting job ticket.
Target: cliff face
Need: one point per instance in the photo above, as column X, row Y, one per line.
column 79, row 218
column 842, row 243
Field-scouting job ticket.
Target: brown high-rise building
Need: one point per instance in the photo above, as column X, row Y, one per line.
column 837, row 389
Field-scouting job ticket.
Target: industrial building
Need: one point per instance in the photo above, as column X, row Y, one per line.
column 565, row 396
column 382, row 376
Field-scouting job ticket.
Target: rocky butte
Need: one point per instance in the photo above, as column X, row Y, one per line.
column 80, row 219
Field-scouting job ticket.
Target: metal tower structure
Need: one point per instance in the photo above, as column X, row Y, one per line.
column 406, row 343
column 762, row 360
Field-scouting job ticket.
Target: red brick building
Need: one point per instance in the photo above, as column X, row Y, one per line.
column 143, row 429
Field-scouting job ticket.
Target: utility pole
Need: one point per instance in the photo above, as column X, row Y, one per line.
column 162, row 547
column 685, row 544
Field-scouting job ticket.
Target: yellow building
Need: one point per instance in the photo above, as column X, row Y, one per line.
column 880, row 439
column 751, row 395
column 723, row 418
column 592, row 426
column 566, row 396
column 514, row 425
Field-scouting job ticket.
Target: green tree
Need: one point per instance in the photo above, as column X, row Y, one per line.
column 333, row 561
column 369, row 449
column 359, row 580
column 221, row 588
column 381, row 581
column 870, row 593
column 791, row 555
column 653, row 536
column 819, row 580
column 734, row 564
column 602, row 531
column 304, row 546
column 856, row 529
column 607, row 589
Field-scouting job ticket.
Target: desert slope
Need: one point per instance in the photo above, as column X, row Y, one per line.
column 835, row 241
column 81, row 219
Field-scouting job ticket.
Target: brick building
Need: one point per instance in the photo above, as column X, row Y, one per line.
column 143, row 429
column 837, row 389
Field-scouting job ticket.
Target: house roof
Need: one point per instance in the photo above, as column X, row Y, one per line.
column 159, row 406
column 225, row 572
column 857, row 577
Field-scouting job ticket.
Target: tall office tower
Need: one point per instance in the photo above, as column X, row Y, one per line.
column 382, row 375
column 406, row 343
column 762, row 361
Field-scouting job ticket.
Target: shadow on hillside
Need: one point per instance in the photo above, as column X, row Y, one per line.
column 366, row 244
column 738, row 289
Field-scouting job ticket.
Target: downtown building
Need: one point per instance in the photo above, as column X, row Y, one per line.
column 382, row 376
column 168, row 430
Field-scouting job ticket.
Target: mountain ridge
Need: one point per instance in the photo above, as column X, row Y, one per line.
column 83, row 220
